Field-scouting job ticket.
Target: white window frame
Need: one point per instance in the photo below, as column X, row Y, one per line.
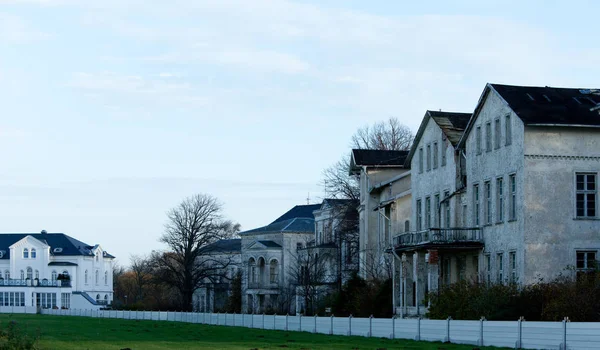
column 428, row 157
column 585, row 192
column 443, row 150
column 487, row 202
column 499, row 200
column 512, row 200
column 476, row 205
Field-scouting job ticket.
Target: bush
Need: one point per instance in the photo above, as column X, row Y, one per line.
column 361, row 298
column 14, row 337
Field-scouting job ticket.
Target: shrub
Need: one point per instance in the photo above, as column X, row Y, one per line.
column 14, row 337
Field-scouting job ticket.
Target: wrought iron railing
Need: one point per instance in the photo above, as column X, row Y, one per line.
column 267, row 285
column 33, row 283
column 439, row 236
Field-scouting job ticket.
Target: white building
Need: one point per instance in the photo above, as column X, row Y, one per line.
column 518, row 196
column 53, row 270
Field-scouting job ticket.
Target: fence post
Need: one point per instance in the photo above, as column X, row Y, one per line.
column 350, row 324
column 300, row 327
column 274, row 320
column 263, row 320
column 286, row 321
column 448, row 329
column 418, row 328
column 480, row 342
column 315, row 329
column 331, row 327
column 564, row 335
column 520, row 332
column 393, row 327
column 370, row 325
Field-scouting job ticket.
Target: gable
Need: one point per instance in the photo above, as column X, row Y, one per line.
column 27, row 242
column 263, row 244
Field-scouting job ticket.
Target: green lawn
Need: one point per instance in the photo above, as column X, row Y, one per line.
column 69, row 332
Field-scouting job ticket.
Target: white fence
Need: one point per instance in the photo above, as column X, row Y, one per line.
column 512, row 334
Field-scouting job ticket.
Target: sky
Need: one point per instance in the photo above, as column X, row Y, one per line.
column 113, row 111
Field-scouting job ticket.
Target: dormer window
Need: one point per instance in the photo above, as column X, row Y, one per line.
column 25, row 253
column 33, row 253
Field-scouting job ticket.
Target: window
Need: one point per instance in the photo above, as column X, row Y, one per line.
column 428, row 157
column 488, row 136
column 273, row 272
column 586, row 261
column 406, row 225
column 586, row 195
column 444, row 147
column 447, row 208
column 512, row 261
column 46, row 300
column 499, row 200
column 500, row 267
column 497, row 135
column 512, row 205
column 98, row 298
column 476, row 204
column 37, row 274
column 85, row 276
column 421, row 159
column 29, row 273
column 478, row 139
column 12, row 298
column 33, row 253
column 106, row 277
column 507, row 130
column 488, row 268
column 435, row 155
column 22, row 274
column 252, row 271
column 488, row 202
column 65, row 300
column 419, row 216
column 7, row 274
column 54, row 275
column 436, row 210
column 298, row 245
column 25, row 253
column 97, row 275
column 427, row 212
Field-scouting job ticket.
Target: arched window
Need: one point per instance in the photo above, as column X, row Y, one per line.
column 273, row 271
column 106, row 277
column 7, row 274
column 65, row 273
column 37, row 274
column 33, row 253
column 54, row 275
column 97, row 297
column 261, row 270
column 106, row 299
column 29, row 273
column 85, row 277
column 251, row 270
column 406, row 225
column 97, row 276
column 22, row 274
column 25, row 253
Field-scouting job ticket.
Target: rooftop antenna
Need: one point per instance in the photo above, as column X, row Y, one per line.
column 308, row 199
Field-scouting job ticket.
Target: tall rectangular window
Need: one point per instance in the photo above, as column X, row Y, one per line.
column 478, row 139
column 435, row 155
column 447, row 209
column 497, row 133
column 512, row 183
column 421, row 159
column 436, row 210
column 586, row 195
column 476, row 205
column 488, row 202
column 500, row 267
column 499, row 200
column 488, row 136
column 488, row 268
column 428, row 157
column 444, row 147
column 512, row 261
column 419, row 216
column 427, row 212
column 507, row 130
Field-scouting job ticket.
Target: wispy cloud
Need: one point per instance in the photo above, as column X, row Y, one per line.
column 15, row 29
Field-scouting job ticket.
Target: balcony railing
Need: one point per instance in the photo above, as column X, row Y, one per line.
column 268, row 285
column 439, row 236
column 34, row 283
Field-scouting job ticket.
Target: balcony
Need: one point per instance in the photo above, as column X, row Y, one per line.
column 268, row 285
column 35, row 283
column 440, row 238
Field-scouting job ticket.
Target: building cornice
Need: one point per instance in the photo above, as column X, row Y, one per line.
column 561, row 157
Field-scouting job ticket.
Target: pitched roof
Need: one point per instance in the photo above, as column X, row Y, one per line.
column 224, row 246
column 452, row 124
column 545, row 106
column 69, row 245
column 551, row 105
column 340, row 202
column 299, row 211
column 376, row 158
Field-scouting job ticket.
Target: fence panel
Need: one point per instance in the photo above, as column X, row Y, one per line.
column 307, row 324
column 280, row 322
column 464, row 332
column 433, row 330
column 542, row 335
column 381, row 327
column 360, row 326
column 323, row 325
column 500, row 333
column 582, row 335
column 405, row 328
column 340, row 325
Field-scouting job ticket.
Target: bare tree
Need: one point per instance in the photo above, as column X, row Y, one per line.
column 390, row 135
column 311, row 277
column 194, row 224
column 338, row 182
column 141, row 267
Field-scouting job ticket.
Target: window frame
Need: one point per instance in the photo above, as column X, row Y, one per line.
column 500, row 267
column 487, row 202
column 443, row 149
column 427, row 212
column 512, row 264
column 497, row 133
column 586, row 192
column 447, row 209
column 507, row 130
column 419, row 215
column 435, row 155
column 478, row 143
column 476, row 205
column 488, row 136
column 428, row 157
column 420, row 160
column 512, row 200
column 499, row 200
column 25, row 253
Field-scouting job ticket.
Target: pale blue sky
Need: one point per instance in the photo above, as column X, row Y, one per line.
column 112, row 111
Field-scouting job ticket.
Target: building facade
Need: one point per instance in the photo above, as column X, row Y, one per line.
column 53, row 270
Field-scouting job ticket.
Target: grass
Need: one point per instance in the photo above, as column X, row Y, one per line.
column 69, row 332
